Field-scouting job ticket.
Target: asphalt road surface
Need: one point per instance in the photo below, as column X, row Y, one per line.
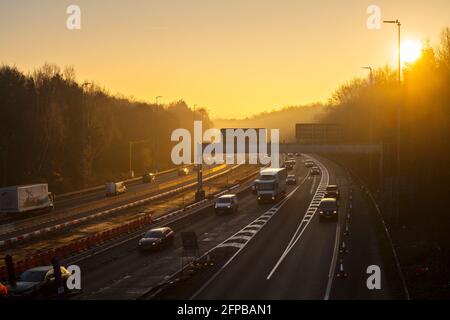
column 307, row 271
column 291, row 257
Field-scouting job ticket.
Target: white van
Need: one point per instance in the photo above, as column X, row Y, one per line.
column 226, row 203
column 115, row 188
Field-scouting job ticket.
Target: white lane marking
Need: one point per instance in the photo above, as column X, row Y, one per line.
column 276, row 207
column 313, row 186
column 333, row 261
column 324, row 180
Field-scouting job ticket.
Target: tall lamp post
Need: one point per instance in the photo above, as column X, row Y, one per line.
column 200, row 193
column 397, row 207
column 371, row 73
column 131, row 144
column 399, row 46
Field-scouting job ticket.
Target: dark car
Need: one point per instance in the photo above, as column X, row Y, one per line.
column 289, row 164
column 38, row 282
column 315, row 171
column 291, row 179
column 328, row 209
column 157, row 239
column 332, row 191
column 309, row 164
column 148, row 177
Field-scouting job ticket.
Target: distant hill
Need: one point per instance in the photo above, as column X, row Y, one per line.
column 283, row 119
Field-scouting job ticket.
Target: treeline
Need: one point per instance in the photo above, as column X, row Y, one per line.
column 73, row 135
column 368, row 109
column 283, row 119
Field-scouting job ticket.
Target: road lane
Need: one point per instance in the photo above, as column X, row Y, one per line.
column 305, row 271
column 241, row 280
column 81, row 209
column 125, row 273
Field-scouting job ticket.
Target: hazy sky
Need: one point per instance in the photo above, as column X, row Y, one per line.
column 234, row 57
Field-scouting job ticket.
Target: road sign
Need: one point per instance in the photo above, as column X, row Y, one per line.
column 319, row 133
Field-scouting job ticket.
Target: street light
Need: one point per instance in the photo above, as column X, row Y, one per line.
column 371, row 73
column 397, row 209
column 157, row 98
column 131, row 144
column 399, row 46
column 200, row 193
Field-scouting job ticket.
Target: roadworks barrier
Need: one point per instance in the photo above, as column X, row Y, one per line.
column 75, row 247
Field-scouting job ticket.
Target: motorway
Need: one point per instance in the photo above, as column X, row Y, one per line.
column 78, row 206
column 294, row 256
column 290, row 256
column 272, row 251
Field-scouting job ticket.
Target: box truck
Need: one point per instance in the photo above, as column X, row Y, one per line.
column 271, row 184
column 19, row 199
column 115, row 188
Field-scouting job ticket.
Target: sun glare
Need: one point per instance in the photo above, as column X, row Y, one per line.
column 410, row 50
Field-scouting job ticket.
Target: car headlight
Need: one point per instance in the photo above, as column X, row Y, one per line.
column 334, row 211
column 321, row 211
column 229, row 207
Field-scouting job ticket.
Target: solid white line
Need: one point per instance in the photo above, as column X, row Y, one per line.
column 333, row 261
column 304, row 222
column 277, row 207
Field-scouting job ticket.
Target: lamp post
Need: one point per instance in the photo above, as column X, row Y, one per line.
column 371, row 73
column 157, row 99
column 85, row 128
column 397, row 207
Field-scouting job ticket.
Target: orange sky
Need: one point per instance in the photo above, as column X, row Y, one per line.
column 234, row 57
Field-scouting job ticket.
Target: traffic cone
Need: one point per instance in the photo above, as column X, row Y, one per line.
column 341, row 272
column 347, row 231
column 343, row 248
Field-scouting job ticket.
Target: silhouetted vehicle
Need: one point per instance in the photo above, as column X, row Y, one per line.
column 183, row 171
column 328, row 209
column 291, row 179
column 156, row 239
column 309, row 164
column 315, row 171
column 226, row 203
column 148, row 177
column 115, row 188
column 37, row 283
column 332, row 191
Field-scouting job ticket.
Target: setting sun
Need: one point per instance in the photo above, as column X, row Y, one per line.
column 411, row 50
